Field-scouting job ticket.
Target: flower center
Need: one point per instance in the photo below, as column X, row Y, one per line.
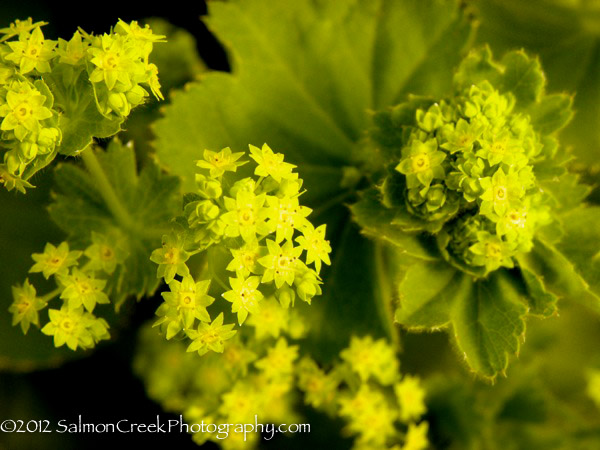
column 107, row 253
column 498, row 147
column 493, row 251
column 171, row 256
column 67, row 325
column 420, row 163
column 246, row 216
column 186, row 300
column 23, row 111
column 111, row 61
column 500, row 193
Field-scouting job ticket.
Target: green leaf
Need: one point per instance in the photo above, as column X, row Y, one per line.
column 581, row 245
column 476, row 67
column 565, row 36
column 541, row 302
column 375, row 221
column 305, row 74
column 486, row 315
column 80, row 121
column 552, row 113
column 140, row 208
column 563, row 274
column 354, row 297
column 489, row 324
column 523, row 77
column 427, row 294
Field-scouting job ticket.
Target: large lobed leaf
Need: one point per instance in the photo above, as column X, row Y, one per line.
column 149, row 198
column 305, row 75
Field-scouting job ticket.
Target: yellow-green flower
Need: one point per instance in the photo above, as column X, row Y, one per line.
column 75, row 328
column 272, row 164
column 25, row 306
column 416, row 437
column 370, row 358
column 74, row 51
column 279, row 362
column 23, row 110
column 115, row 62
column 316, row 246
column 269, row 320
column 171, row 258
column 280, row 263
column 244, row 296
column 210, row 336
column 31, row 52
column 19, row 27
column 411, row 398
column 104, row 254
column 220, row 162
column 54, row 260
column 186, row 302
column 369, row 416
column 421, row 163
column 246, row 216
column 285, row 215
column 83, row 289
column 245, row 259
column 491, row 252
column 500, row 192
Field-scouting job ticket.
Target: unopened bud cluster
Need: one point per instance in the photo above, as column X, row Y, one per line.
column 467, row 170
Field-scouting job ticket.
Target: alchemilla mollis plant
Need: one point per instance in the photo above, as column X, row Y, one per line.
column 354, row 227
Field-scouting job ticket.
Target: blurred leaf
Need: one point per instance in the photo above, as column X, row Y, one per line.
column 375, row 222
column 523, row 77
column 352, row 294
column 581, row 245
column 305, row 75
column 574, row 273
column 566, row 36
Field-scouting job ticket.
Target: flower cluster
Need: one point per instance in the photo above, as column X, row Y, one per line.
column 467, row 169
column 359, row 390
column 251, row 377
column 82, row 279
column 119, row 65
column 254, row 377
column 253, row 229
column 40, row 77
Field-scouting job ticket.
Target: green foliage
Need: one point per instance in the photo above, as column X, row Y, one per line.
column 565, row 36
column 134, row 208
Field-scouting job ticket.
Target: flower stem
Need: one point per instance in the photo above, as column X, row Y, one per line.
column 385, row 297
column 106, row 190
column 50, row 295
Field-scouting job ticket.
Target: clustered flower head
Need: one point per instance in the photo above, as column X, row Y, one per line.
column 467, row 175
column 381, row 408
column 84, row 279
column 261, row 249
column 254, row 377
column 38, row 77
